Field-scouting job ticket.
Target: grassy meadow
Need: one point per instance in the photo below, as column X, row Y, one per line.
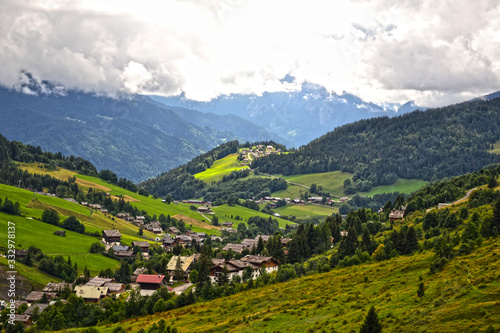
column 219, row 168
column 32, row 232
column 406, row 186
column 306, row 211
column 224, row 213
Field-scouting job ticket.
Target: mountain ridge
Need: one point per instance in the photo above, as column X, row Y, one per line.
column 298, row 116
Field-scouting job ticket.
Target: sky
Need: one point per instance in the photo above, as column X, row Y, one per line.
column 432, row 52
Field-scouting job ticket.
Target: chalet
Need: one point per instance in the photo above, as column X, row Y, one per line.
column 154, row 227
column 84, row 203
column 201, row 234
column 98, row 282
column 297, row 201
column 70, row 200
column 142, row 244
column 186, row 263
column 112, row 236
column 61, row 233
column 104, row 211
column 190, row 233
column 168, row 243
column 139, row 223
column 20, row 254
column 230, row 230
column 137, row 272
column 396, row 215
column 140, row 217
column 173, row 230
column 265, row 238
column 151, row 281
column 227, row 224
column 95, row 206
column 91, row 294
column 285, row 241
column 36, row 296
column 316, row 200
column 343, row 199
column 122, row 215
column 114, row 287
column 41, row 307
column 205, row 210
column 238, row 248
column 56, row 287
column 124, row 254
column 184, row 240
column 259, row 262
column 23, row 318
column 234, row 268
column 249, row 242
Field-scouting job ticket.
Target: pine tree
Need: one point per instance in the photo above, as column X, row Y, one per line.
column 178, row 272
column 224, row 277
column 371, row 323
column 205, row 263
column 260, row 246
column 421, row 290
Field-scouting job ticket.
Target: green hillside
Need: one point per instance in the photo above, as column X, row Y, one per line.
column 32, row 232
column 337, row 301
column 220, row 168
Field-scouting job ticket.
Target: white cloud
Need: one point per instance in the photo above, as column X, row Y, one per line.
column 430, row 51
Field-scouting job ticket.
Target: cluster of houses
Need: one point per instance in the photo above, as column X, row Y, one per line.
column 250, row 154
column 249, row 243
column 112, row 239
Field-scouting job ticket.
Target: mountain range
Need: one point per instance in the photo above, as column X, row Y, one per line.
column 130, row 133
column 298, row 116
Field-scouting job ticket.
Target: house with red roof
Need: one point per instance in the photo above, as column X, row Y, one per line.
column 151, row 281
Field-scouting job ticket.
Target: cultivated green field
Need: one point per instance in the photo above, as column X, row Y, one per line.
column 406, row 186
column 333, row 182
column 33, row 232
column 221, row 167
column 306, row 211
column 338, row 301
column 224, row 213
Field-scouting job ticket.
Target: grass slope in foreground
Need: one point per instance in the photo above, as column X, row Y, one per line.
column 338, row 301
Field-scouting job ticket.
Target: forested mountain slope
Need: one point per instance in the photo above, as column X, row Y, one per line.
column 428, row 145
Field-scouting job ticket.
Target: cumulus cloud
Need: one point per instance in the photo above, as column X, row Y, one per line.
column 429, row 51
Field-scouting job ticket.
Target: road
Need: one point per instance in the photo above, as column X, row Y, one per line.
column 182, row 288
column 467, row 195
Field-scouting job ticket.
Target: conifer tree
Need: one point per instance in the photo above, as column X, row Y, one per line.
column 371, row 323
column 178, row 272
